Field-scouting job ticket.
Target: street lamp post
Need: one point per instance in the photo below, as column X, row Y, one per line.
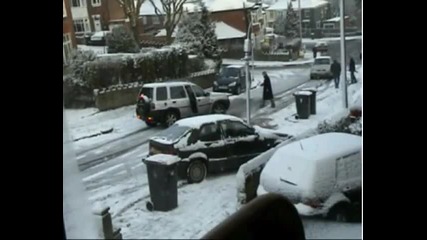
column 343, row 58
column 300, row 20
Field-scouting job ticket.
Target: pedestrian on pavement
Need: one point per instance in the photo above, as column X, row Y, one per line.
column 314, row 52
column 336, row 71
column 352, row 68
column 267, row 93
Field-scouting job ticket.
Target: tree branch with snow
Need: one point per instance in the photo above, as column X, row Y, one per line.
column 131, row 8
column 172, row 11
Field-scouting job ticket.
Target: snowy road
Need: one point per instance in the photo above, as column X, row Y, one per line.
column 94, row 151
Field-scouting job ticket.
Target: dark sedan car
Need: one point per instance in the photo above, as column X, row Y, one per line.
column 212, row 143
column 231, row 79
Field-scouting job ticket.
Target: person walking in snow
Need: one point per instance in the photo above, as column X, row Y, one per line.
column 352, row 68
column 314, row 52
column 267, row 93
column 336, row 71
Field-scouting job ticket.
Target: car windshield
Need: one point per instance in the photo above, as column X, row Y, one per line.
column 230, row 72
column 173, row 133
column 322, row 61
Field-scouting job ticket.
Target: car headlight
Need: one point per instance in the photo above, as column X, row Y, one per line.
column 215, row 83
column 232, row 84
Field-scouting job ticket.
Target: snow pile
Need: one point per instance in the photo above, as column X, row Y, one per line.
column 164, row 159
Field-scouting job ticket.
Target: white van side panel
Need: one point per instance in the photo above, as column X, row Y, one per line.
column 349, row 172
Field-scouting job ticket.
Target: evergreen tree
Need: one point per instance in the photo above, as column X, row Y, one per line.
column 190, row 32
column 209, row 39
column 279, row 24
column 121, row 41
column 292, row 22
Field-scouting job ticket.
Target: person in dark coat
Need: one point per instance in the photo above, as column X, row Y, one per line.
column 314, row 52
column 267, row 93
column 336, row 71
column 352, row 68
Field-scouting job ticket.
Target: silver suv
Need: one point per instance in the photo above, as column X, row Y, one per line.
column 166, row 102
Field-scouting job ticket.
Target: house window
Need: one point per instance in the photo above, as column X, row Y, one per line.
column 96, row 3
column 66, row 47
column 64, row 10
column 329, row 26
column 306, row 13
column 81, row 25
column 78, row 3
column 156, row 20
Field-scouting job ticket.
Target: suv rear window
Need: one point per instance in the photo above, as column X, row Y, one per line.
column 147, row 91
column 322, row 61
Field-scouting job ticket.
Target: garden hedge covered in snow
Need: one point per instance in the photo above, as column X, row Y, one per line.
column 149, row 65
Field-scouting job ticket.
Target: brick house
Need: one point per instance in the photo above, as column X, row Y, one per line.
column 68, row 37
column 97, row 15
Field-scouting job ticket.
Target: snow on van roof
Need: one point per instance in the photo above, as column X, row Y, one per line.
column 320, row 147
column 306, row 93
column 196, row 122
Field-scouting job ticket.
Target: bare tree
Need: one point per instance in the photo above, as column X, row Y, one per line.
column 131, row 9
column 172, row 11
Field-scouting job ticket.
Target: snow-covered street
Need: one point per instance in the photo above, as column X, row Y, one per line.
column 119, row 180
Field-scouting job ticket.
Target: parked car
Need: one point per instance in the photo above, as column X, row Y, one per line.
column 231, row 79
column 322, row 175
column 212, row 143
column 321, row 46
column 166, row 102
column 99, row 38
column 321, row 68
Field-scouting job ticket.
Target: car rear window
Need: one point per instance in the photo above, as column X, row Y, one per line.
column 147, row 91
column 321, row 61
column 174, row 132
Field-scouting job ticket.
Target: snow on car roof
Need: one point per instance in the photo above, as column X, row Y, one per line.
column 320, row 147
column 196, row 122
column 235, row 66
column 323, row 57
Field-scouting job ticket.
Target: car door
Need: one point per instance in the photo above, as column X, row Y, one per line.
column 242, row 141
column 203, row 102
column 180, row 100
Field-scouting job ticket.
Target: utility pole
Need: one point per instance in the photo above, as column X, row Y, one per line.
column 343, row 57
column 300, row 20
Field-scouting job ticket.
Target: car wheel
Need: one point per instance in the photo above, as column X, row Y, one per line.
column 218, row 108
column 170, row 118
column 151, row 124
column 340, row 212
column 196, row 171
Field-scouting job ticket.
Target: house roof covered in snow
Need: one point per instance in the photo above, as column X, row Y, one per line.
column 283, row 4
column 223, row 31
column 147, row 7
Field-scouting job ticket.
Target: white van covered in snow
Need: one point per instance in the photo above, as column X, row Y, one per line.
column 321, row 174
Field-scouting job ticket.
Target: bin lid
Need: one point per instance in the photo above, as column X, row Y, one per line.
column 312, row 89
column 306, row 93
column 164, row 159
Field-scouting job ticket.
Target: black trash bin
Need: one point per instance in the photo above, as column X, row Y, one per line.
column 302, row 101
column 162, row 182
column 312, row 99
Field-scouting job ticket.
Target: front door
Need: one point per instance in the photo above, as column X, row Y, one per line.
column 180, row 100
column 97, row 22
